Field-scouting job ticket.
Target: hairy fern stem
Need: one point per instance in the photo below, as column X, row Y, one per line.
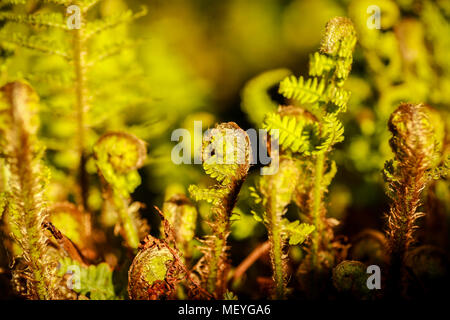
column 81, row 106
column 316, row 208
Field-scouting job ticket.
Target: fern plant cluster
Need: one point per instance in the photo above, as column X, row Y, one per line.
column 83, row 125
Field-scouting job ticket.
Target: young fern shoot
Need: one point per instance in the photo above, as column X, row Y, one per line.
column 415, row 149
column 275, row 193
column 309, row 129
column 118, row 156
column 25, row 201
column 226, row 158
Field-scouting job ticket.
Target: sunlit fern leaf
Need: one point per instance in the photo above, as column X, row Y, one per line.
column 332, row 132
column 296, row 232
column 291, row 132
column 308, row 91
column 94, row 281
column 95, row 27
column 329, row 175
column 210, row 195
column 33, row 43
column 55, row 20
column 339, row 97
column 221, row 172
column 320, row 63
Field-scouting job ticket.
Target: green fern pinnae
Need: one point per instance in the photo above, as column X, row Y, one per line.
column 118, row 155
column 308, row 91
column 292, row 133
column 96, row 27
column 320, row 64
column 323, row 96
column 93, row 281
column 223, row 173
column 230, row 144
column 26, row 205
column 210, row 195
column 54, row 20
column 256, row 101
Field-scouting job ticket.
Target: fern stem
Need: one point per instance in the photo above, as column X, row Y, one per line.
column 211, row 284
column 81, row 106
column 276, row 248
column 316, row 208
column 131, row 233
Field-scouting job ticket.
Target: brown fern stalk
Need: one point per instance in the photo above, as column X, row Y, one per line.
column 413, row 145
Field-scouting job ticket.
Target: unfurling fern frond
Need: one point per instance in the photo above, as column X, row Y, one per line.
column 26, row 205
column 226, row 158
column 118, row 155
column 313, row 130
column 414, row 145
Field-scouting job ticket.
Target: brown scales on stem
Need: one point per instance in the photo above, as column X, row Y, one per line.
column 414, row 146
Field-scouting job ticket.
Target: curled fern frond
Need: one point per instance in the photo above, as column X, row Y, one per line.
column 226, row 158
column 118, row 155
column 154, row 272
column 414, row 144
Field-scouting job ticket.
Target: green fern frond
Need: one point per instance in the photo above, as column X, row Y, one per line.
column 110, row 50
column 296, row 232
column 118, row 155
column 292, row 133
column 210, row 195
column 329, row 175
column 94, row 281
column 55, row 20
column 308, row 91
column 332, row 133
column 96, row 27
column 34, row 43
column 222, row 172
column 339, row 97
column 319, row 64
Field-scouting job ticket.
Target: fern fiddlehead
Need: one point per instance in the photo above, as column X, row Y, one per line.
column 26, row 206
column 414, row 146
column 226, row 158
column 118, row 156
